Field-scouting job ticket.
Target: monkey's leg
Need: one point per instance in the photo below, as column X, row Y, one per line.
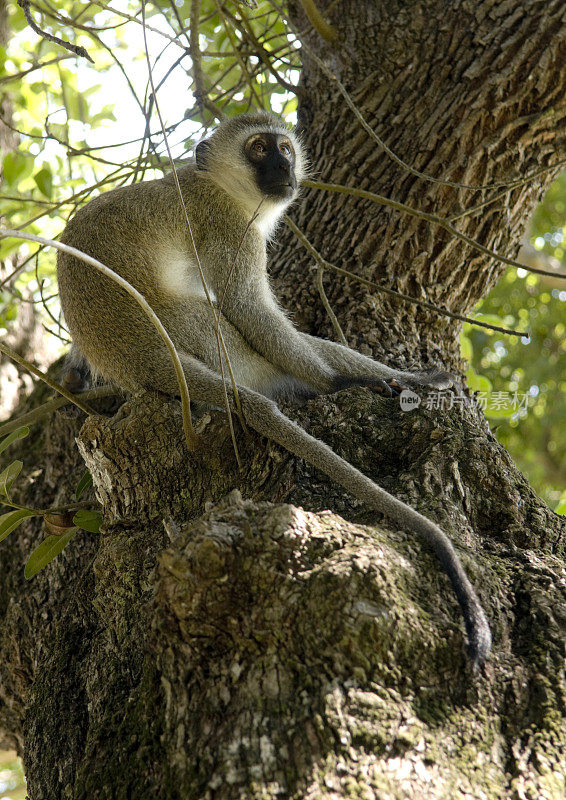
column 76, row 377
column 265, row 417
column 353, row 365
column 192, row 327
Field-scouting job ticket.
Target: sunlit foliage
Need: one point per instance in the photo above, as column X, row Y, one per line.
column 12, row 783
column 83, row 127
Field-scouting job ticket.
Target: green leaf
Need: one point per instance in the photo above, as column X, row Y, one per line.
column 76, row 107
column 44, row 181
column 18, row 21
column 58, row 130
column 494, row 411
column 478, row 383
column 20, row 433
column 13, row 166
column 491, row 319
column 11, row 520
column 7, row 247
column 88, row 520
column 83, row 485
column 466, row 350
column 107, row 113
column 9, row 475
column 45, row 552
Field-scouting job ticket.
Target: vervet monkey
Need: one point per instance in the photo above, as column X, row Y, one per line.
column 244, row 177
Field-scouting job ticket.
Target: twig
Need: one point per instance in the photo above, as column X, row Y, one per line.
column 16, row 76
column 322, row 262
column 52, row 405
column 326, row 303
column 22, row 199
column 140, row 299
column 200, row 92
column 39, row 374
column 173, row 39
column 219, row 314
column 440, row 221
column 246, row 30
column 61, row 338
column 229, row 34
column 219, row 339
column 40, row 284
column 112, row 176
column 182, row 30
column 321, row 26
column 73, row 48
column 509, row 187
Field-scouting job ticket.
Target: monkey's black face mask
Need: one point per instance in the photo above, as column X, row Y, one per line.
column 273, row 160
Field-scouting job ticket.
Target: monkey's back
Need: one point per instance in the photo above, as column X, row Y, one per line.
column 141, row 233
column 125, row 230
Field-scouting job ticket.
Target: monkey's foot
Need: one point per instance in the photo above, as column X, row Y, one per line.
column 75, row 380
column 433, row 378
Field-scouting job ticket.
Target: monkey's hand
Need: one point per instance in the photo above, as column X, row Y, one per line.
column 433, row 379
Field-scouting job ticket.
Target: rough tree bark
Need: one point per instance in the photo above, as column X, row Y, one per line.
column 251, row 648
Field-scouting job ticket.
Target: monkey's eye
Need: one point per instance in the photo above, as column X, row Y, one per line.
column 259, row 147
column 285, row 148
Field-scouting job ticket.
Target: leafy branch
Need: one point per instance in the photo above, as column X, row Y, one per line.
column 62, row 525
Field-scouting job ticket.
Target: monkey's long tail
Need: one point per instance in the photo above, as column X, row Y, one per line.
column 285, row 432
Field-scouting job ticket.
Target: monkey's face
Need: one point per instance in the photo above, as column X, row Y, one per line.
column 272, row 159
column 258, row 162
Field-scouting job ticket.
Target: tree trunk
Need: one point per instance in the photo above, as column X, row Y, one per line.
column 208, row 646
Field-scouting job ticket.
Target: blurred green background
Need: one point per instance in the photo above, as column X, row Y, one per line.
column 530, row 372
column 12, row 784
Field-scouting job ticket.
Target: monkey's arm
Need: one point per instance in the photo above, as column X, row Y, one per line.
column 351, row 364
column 254, row 311
column 324, row 365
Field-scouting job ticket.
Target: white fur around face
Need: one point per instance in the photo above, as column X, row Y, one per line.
column 239, row 183
column 269, row 215
column 179, row 275
column 237, row 179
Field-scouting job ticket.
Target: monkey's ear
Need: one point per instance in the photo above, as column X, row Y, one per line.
column 201, row 153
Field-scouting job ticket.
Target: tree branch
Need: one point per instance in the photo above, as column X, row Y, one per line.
column 324, row 264
column 322, row 27
column 443, row 223
column 41, row 375
column 73, row 48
